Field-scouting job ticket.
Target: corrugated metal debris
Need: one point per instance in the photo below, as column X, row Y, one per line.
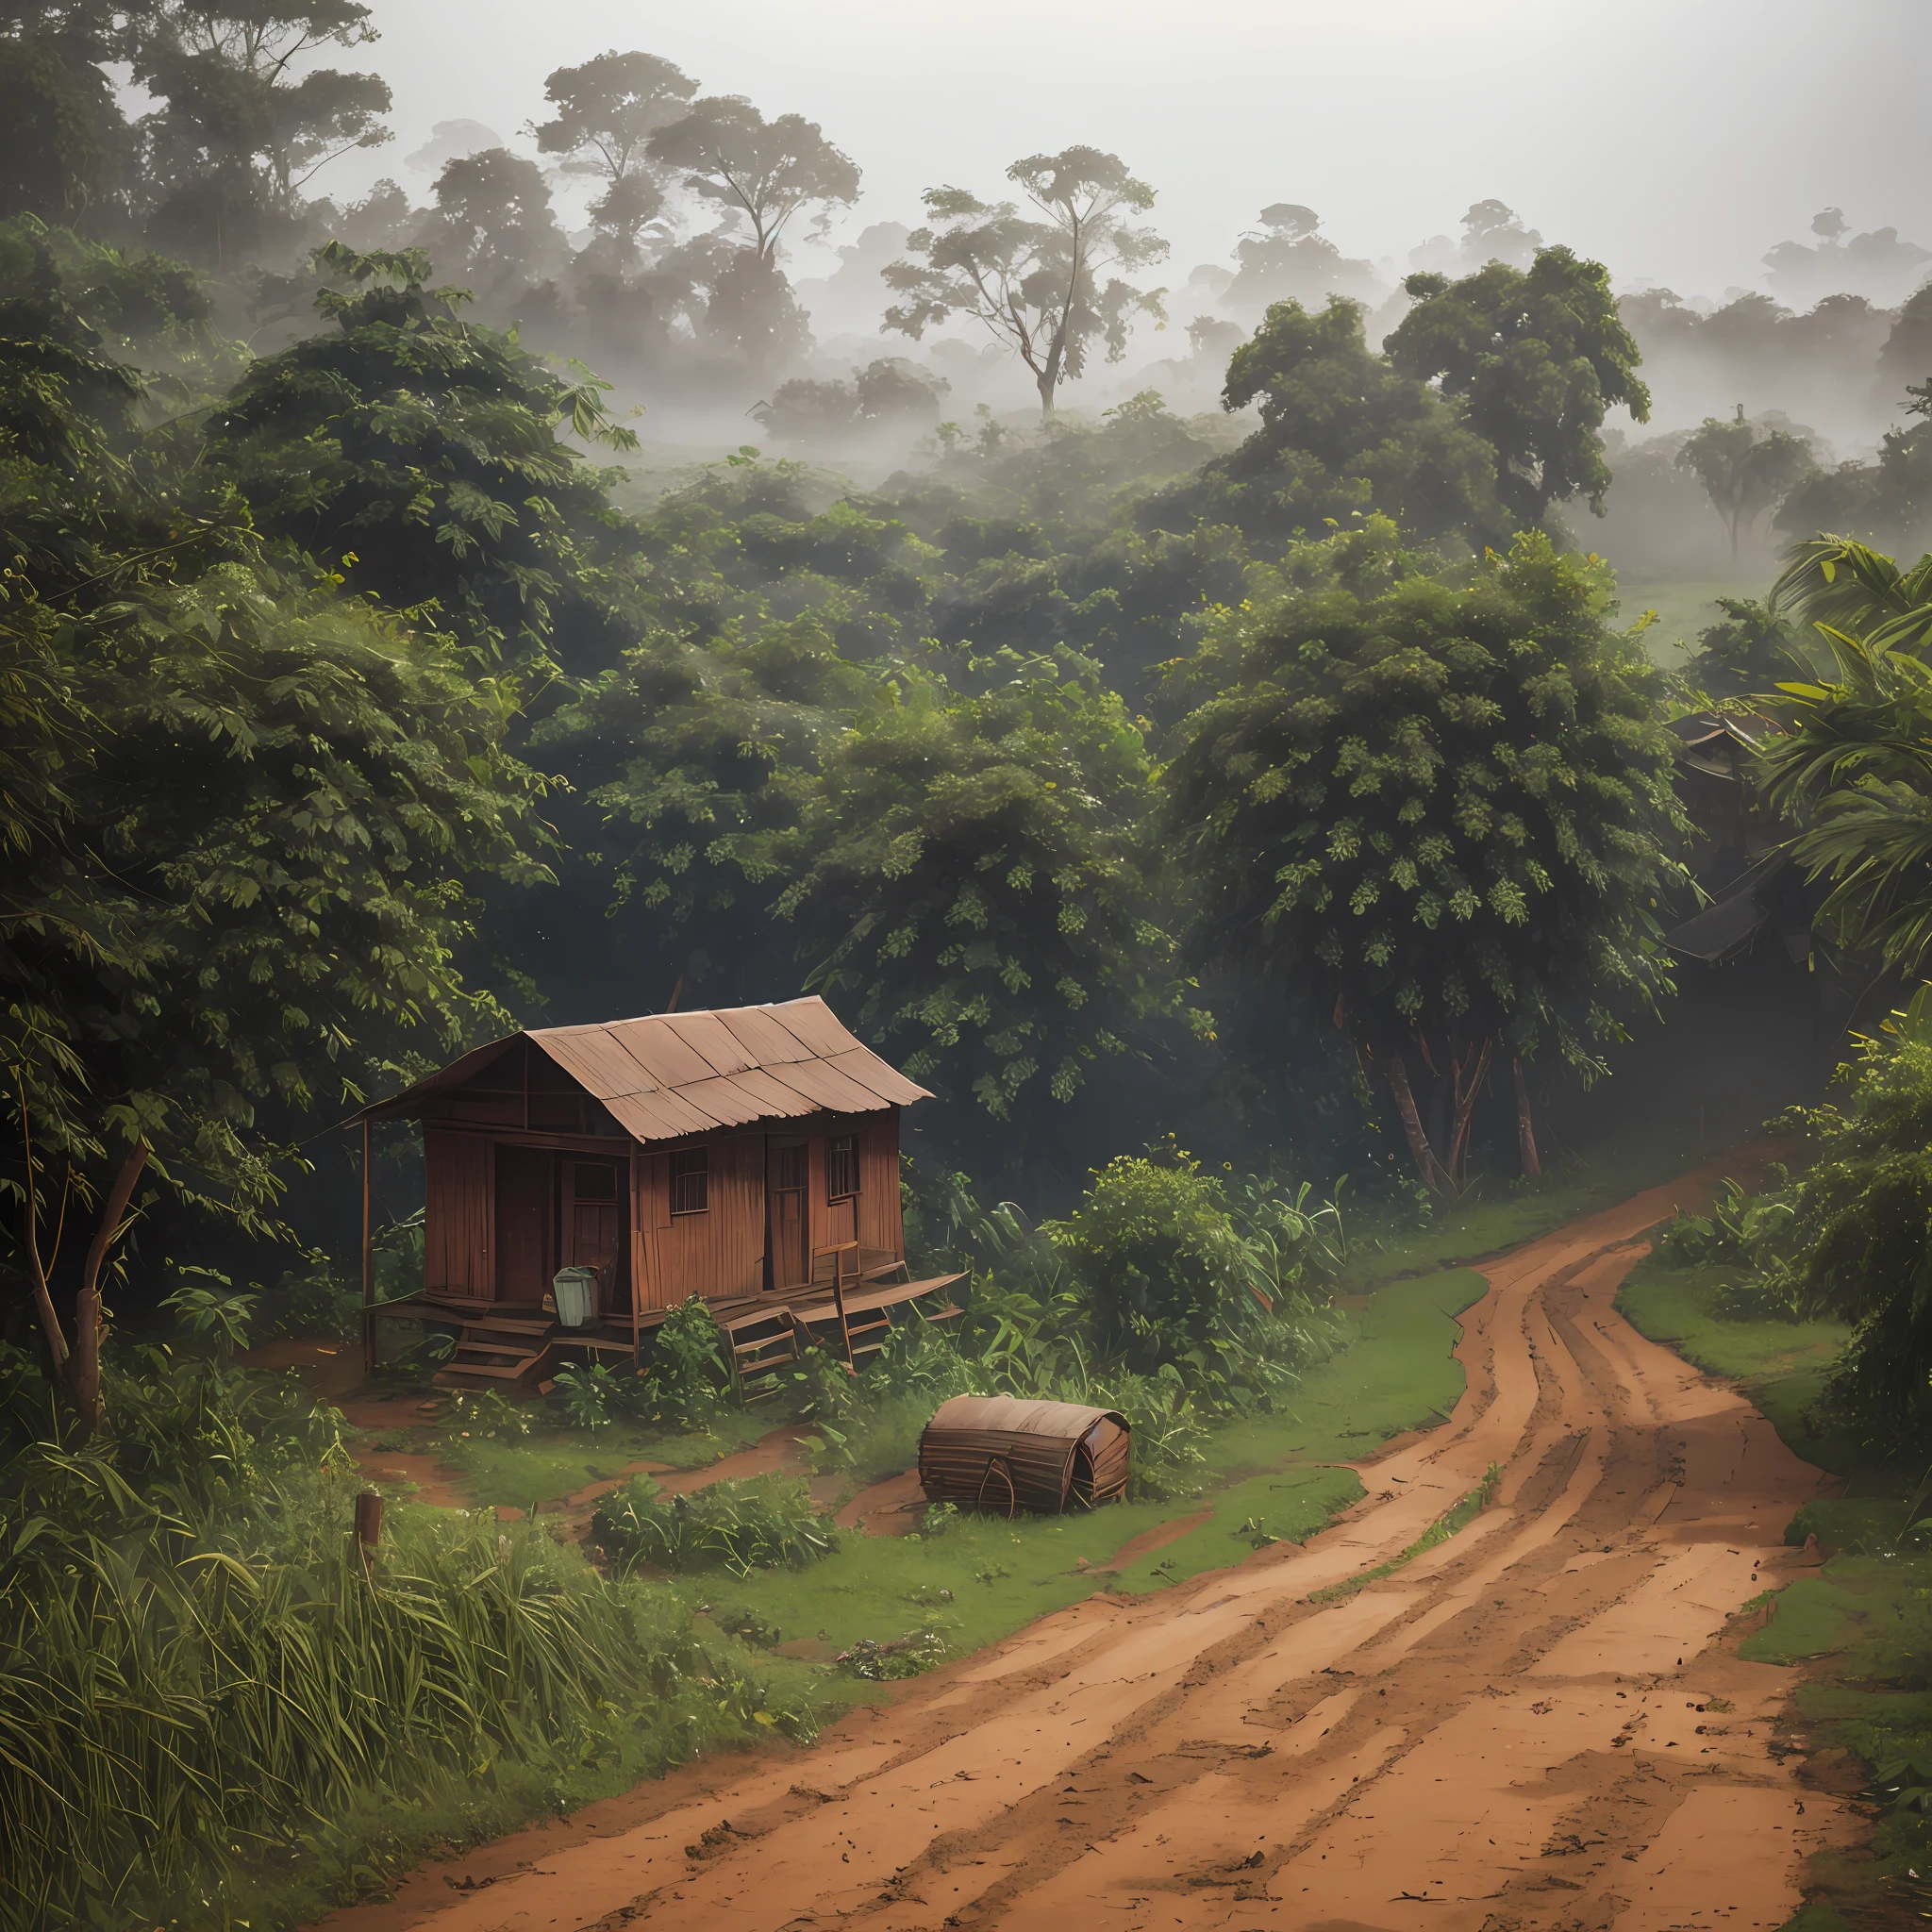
column 1002, row 1453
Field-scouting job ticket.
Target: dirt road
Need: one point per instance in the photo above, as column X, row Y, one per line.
column 1537, row 1724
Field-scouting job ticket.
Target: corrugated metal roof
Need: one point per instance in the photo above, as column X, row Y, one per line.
column 665, row 1076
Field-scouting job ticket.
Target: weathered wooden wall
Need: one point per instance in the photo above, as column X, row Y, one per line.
column 881, row 1223
column 456, row 1253
column 720, row 1252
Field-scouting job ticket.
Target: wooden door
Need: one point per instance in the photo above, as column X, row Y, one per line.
column 593, row 1223
column 525, row 1196
column 788, row 1239
column 456, row 1221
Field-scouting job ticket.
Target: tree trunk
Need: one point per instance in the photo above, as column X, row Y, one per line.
column 1468, row 1075
column 1525, row 1127
column 1396, row 1073
column 79, row 1368
column 84, row 1365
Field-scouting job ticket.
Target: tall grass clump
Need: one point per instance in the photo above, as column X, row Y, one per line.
column 203, row 1672
column 760, row 1523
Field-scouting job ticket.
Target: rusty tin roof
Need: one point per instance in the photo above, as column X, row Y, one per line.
column 666, row 1075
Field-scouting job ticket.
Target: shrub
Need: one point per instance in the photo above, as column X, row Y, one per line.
column 1852, row 1239
column 758, row 1524
column 688, row 1376
column 588, row 1395
column 1156, row 1250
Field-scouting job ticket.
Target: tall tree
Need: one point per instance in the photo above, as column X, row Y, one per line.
column 1441, row 817
column 492, row 228
column 239, row 810
column 243, row 126
column 972, row 884
column 1537, row 357
column 606, row 110
column 1036, row 284
column 764, row 173
column 1289, row 259
column 1342, row 434
column 64, row 143
column 768, row 172
column 1746, row 475
column 422, row 457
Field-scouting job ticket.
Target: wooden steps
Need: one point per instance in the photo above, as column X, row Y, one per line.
column 762, row 1343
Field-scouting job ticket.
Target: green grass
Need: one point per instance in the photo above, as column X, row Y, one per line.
column 1275, row 1472
column 1812, row 1619
column 524, row 1472
column 1501, row 1212
column 1781, row 1365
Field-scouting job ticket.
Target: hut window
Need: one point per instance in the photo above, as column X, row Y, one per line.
column 690, row 1181
column 842, row 1167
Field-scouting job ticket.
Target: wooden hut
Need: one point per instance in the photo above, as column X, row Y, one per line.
column 1005, row 1454
column 749, row 1156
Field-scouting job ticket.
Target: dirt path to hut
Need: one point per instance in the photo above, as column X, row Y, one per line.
column 1516, row 1730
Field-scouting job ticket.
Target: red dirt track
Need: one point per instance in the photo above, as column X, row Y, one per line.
column 1498, row 1738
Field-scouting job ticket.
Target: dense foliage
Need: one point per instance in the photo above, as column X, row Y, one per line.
column 208, row 1686
column 1443, row 814
column 366, row 687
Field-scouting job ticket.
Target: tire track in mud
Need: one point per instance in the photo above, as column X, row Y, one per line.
column 1506, row 1734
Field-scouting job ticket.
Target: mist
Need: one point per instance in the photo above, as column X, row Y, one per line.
column 1678, row 145
column 1730, row 180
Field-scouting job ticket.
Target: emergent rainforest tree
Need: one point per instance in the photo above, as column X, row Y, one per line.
column 606, row 111
column 1441, row 815
column 1036, row 284
column 243, row 122
column 766, row 173
column 1745, row 475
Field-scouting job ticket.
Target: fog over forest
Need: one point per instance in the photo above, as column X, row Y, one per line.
column 1763, row 218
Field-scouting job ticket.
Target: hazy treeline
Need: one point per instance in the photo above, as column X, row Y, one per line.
column 666, row 231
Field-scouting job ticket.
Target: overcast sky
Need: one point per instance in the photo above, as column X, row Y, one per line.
column 1675, row 139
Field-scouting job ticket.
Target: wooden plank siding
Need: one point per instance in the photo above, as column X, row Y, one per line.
column 720, row 1253
column 457, row 1250
column 881, row 1223
column 505, row 1136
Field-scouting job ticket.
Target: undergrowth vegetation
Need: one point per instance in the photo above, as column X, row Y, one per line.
column 760, row 1523
column 202, row 1670
column 1849, row 1238
column 1178, row 1297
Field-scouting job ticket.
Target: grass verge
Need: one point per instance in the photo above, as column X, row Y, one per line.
column 1459, row 1517
column 1861, row 1629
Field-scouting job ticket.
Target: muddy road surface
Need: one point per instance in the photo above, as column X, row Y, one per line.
column 1539, row 1723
